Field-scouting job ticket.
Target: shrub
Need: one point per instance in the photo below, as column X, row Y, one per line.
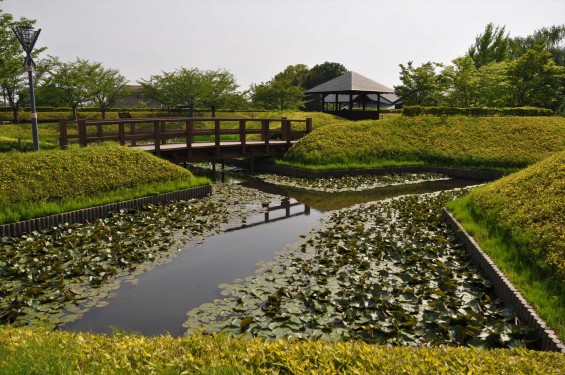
column 412, row 111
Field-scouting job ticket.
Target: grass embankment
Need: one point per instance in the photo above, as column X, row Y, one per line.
column 49, row 131
column 35, row 351
column 505, row 143
column 47, row 182
column 520, row 222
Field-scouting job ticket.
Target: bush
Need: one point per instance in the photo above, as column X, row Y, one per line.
column 412, row 111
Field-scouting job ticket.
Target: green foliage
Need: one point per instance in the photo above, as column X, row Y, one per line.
column 472, row 142
column 530, row 205
column 34, row 179
column 37, row 351
column 277, row 95
column 551, row 37
column 491, row 46
column 420, row 86
column 412, row 111
column 519, row 221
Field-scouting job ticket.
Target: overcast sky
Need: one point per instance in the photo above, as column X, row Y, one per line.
column 256, row 39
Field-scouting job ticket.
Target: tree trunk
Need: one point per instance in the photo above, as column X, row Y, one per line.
column 213, row 110
column 103, row 110
column 75, row 112
column 15, row 114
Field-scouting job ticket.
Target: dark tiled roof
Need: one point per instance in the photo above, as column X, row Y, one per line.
column 351, row 81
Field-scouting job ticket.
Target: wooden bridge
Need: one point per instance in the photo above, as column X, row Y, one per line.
column 188, row 139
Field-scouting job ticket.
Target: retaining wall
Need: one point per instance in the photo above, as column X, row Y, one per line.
column 504, row 289
column 306, row 173
column 93, row 213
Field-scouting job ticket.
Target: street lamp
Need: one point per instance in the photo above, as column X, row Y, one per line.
column 27, row 37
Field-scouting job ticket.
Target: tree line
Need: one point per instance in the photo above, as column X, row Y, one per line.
column 496, row 71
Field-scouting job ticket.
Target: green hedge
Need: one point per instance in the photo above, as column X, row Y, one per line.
column 412, row 111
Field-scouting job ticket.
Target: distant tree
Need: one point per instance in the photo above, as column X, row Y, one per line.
column 493, row 86
column 322, row 73
column 107, row 86
column 277, row 95
column 553, row 38
column 188, row 89
column 13, row 80
column 492, row 45
column 319, row 74
column 421, row 85
column 295, row 74
column 535, row 79
column 71, row 82
column 161, row 89
column 217, row 87
column 461, row 82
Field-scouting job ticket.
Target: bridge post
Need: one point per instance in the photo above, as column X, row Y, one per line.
column 308, row 125
column 266, row 134
column 63, row 137
column 121, row 133
column 242, row 135
column 82, row 133
column 217, row 136
column 157, row 137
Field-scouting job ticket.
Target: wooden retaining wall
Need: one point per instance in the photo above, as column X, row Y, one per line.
column 504, row 289
column 306, row 173
column 93, row 213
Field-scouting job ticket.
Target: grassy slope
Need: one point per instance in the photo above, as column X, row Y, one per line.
column 520, row 222
column 477, row 142
column 27, row 351
column 46, row 182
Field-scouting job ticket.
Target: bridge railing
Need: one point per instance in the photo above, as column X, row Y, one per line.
column 187, row 130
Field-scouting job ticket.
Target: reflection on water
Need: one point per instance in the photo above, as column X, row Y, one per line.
column 158, row 302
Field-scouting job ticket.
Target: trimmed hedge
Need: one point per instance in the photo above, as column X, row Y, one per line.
column 412, row 111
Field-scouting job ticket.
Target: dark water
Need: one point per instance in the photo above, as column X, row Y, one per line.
column 159, row 301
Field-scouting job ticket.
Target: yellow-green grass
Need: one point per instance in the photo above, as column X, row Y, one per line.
column 503, row 143
column 41, row 183
column 49, row 131
column 519, row 221
column 25, row 351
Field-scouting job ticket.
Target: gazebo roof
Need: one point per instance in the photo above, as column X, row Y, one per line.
column 350, row 82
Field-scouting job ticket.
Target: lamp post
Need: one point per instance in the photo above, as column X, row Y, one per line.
column 27, row 37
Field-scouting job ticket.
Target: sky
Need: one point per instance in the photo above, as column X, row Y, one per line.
column 256, row 39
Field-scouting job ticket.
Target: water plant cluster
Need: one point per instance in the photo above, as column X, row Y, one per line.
column 51, row 277
column 388, row 272
column 352, row 183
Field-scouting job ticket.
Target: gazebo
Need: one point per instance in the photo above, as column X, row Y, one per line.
column 349, row 90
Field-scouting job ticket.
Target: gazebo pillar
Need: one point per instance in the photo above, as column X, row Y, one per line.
column 378, row 106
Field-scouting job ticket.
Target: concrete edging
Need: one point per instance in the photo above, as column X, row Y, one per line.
column 473, row 174
column 504, row 289
column 93, row 213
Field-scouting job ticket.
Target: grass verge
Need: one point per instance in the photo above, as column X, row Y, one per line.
column 519, row 221
column 499, row 143
column 48, row 182
column 35, row 351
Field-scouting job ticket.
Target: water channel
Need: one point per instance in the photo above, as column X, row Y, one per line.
column 159, row 299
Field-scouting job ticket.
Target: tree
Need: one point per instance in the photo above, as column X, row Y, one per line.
column 552, row 38
column 188, row 88
column 295, row 74
column 106, row 86
column 161, row 88
column 316, row 76
column 217, row 87
column 492, row 45
column 322, row 73
column 536, row 80
column 277, row 95
column 71, row 82
column 13, row 81
column 461, row 81
column 420, row 86
column 493, row 86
